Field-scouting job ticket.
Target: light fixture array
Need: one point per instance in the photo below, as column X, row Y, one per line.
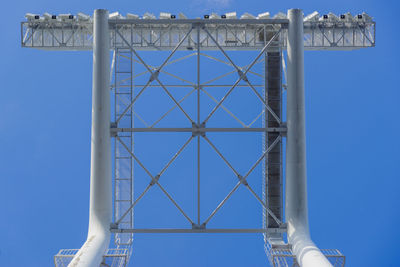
column 313, row 17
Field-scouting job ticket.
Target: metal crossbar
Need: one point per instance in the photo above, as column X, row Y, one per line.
column 198, row 128
column 198, row 230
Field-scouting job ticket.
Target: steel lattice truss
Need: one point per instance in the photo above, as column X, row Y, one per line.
column 245, row 34
column 124, row 85
column 197, row 41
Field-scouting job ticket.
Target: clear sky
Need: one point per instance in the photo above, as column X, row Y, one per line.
column 352, row 148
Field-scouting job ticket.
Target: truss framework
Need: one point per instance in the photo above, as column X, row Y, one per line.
column 195, row 36
column 233, row 34
column 125, row 109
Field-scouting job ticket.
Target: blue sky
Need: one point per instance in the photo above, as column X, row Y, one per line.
column 352, row 148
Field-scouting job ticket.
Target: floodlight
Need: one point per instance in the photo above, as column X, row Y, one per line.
column 65, row 16
column 231, row 15
column 83, row 17
column 280, row 15
column 366, row 17
column 165, row 15
column 148, row 16
column 132, row 16
column 182, row 16
column 214, row 16
column 30, row 16
column 332, row 17
column 115, row 15
column 312, row 17
column 247, row 16
column 47, row 16
column 347, row 17
column 324, row 17
column 264, row 15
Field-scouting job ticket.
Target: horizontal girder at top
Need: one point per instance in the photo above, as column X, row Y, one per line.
column 161, row 34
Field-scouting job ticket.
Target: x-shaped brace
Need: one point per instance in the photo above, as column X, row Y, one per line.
column 154, row 180
column 243, row 75
column 242, row 180
column 154, row 75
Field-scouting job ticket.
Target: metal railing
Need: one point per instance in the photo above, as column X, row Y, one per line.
column 285, row 257
column 112, row 258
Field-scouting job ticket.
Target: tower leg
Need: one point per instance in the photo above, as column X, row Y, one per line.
column 100, row 214
column 307, row 254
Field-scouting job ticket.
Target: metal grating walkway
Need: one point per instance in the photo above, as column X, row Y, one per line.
column 112, row 258
column 273, row 167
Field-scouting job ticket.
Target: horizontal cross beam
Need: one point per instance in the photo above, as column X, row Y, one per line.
column 114, row 22
column 197, row 130
column 197, row 231
column 161, row 34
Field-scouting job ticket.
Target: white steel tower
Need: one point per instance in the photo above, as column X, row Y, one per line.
column 287, row 238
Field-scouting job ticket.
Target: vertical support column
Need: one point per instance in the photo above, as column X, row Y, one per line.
column 307, row 254
column 100, row 214
column 198, row 124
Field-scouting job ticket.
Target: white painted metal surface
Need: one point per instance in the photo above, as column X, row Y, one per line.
column 91, row 253
column 128, row 35
column 307, row 254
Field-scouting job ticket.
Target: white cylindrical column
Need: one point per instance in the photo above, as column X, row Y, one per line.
column 100, row 214
column 307, row 254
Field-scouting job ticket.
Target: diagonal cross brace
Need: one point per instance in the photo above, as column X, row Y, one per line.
column 242, row 75
column 154, row 180
column 240, row 78
column 171, row 109
column 154, row 75
column 242, row 180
